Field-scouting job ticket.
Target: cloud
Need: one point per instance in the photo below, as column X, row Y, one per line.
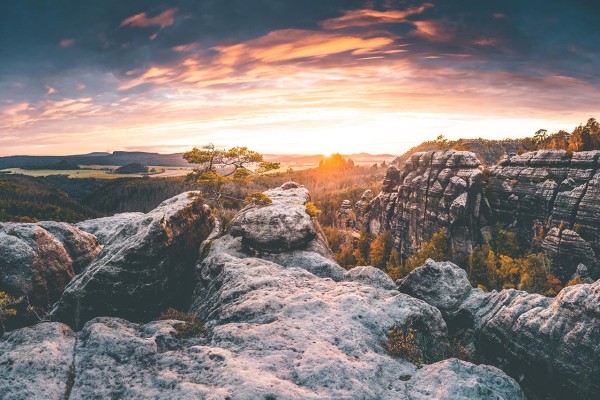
column 141, row 20
column 65, row 43
column 293, row 44
column 367, row 17
column 434, row 30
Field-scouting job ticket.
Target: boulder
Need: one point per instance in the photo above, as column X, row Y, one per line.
column 38, row 260
column 145, row 266
column 370, row 276
column 284, row 225
column 550, row 345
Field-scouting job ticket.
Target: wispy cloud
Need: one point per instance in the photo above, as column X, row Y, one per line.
column 367, row 17
column 141, row 20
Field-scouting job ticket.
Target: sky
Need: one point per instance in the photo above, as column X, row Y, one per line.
column 290, row 76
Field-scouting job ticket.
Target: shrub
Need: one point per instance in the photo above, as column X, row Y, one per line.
column 401, row 342
column 258, row 198
column 312, row 210
column 192, row 325
column 7, row 308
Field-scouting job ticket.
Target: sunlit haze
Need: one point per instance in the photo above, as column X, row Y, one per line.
column 291, row 76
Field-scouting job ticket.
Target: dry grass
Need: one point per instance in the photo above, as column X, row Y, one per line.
column 191, row 325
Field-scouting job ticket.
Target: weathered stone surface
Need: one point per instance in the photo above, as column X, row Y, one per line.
column 114, row 358
column 105, row 228
column 36, row 362
column 370, row 276
column 458, row 380
column 551, row 344
column 567, row 249
column 145, row 266
column 434, row 190
column 281, row 226
column 276, row 330
column 39, row 260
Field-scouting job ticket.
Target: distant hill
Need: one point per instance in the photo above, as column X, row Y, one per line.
column 62, row 165
column 118, row 158
column 122, row 158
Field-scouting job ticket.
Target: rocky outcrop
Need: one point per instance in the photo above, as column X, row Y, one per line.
column 550, row 345
column 282, row 324
column 146, row 265
column 433, row 190
column 114, row 358
column 552, row 189
column 38, row 260
column 282, row 233
column 567, row 250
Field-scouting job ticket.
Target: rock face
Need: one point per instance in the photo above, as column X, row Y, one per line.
column 552, row 189
column 282, row 325
column 146, row 264
column 551, row 344
column 39, row 260
column 433, row 190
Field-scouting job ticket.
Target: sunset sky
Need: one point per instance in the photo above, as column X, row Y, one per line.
column 291, row 76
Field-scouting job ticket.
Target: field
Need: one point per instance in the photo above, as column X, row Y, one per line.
column 98, row 172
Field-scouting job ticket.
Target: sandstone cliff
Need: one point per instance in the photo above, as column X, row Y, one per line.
column 551, row 198
column 433, row 190
column 555, row 197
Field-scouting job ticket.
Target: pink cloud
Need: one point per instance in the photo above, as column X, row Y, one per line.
column 433, row 30
column 65, row 43
column 368, row 17
column 164, row 19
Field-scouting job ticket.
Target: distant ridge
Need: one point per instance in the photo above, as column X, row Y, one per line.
column 121, row 158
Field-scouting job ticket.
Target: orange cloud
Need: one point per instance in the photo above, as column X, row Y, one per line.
column 368, row 17
column 164, row 19
column 293, row 44
column 65, row 43
column 433, row 30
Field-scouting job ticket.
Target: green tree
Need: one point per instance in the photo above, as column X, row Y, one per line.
column 218, row 172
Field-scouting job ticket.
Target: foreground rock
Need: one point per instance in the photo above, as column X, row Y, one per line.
column 147, row 264
column 114, row 358
column 36, row 362
column 553, row 345
column 38, row 260
column 282, row 324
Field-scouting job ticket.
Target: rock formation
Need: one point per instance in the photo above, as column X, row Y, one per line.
column 38, row 260
column 558, row 191
column 550, row 345
column 284, row 322
column 434, row 190
column 147, row 264
column 551, row 198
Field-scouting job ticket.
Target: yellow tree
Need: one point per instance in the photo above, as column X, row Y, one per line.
column 7, row 308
